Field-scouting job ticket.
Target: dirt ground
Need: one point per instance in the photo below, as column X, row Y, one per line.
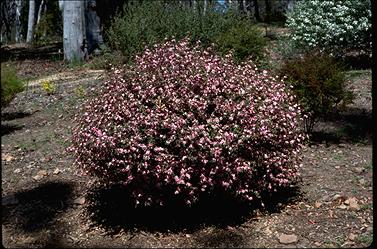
column 45, row 203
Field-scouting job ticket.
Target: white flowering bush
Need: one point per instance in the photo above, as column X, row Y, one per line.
column 333, row 26
column 183, row 121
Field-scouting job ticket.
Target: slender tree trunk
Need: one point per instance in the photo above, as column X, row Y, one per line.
column 289, row 5
column 256, row 11
column 18, row 21
column 40, row 11
column 268, row 13
column 205, row 6
column 31, row 20
column 194, row 5
column 73, row 30
column 61, row 5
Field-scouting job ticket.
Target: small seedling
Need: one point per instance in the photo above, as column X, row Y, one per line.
column 49, row 87
column 80, row 91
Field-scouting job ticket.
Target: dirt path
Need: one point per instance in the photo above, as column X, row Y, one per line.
column 46, row 204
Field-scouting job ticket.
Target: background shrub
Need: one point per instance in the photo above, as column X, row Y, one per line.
column 182, row 121
column 334, row 26
column 153, row 21
column 107, row 59
column 10, row 84
column 244, row 39
column 319, row 82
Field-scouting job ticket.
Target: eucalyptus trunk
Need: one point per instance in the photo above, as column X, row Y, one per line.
column 31, row 21
column 73, row 30
column 205, row 6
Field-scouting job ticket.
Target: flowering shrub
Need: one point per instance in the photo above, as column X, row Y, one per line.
column 183, row 121
column 335, row 26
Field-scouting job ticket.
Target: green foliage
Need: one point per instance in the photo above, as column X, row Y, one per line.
column 244, row 39
column 145, row 24
column 319, row 83
column 333, row 26
column 10, row 84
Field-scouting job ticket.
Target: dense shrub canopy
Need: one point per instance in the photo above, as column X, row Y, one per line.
column 335, row 26
column 152, row 21
column 185, row 121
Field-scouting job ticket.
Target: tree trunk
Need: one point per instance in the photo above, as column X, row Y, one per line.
column 31, row 20
column 205, row 6
column 73, row 30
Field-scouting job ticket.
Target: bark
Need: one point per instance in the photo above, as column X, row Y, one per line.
column 8, row 14
column 73, row 30
column 205, row 6
column 93, row 27
column 31, row 21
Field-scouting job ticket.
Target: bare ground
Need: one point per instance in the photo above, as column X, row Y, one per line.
column 46, row 204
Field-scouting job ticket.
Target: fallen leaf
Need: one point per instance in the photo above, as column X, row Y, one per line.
column 311, row 221
column 42, row 172
column 317, row 204
column 352, row 236
column 8, row 158
column 331, row 214
column 267, row 231
column 79, row 200
column 318, row 244
column 358, row 169
column 56, row 171
column 336, row 197
column 17, row 171
column 342, row 206
column 288, row 238
column 37, row 177
column 353, row 204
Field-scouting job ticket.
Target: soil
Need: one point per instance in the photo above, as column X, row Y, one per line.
column 46, row 203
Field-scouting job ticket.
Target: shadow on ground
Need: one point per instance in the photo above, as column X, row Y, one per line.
column 9, row 128
column 8, row 116
column 357, row 61
column 220, row 238
column 351, row 127
column 113, row 209
column 14, row 115
column 37, row 208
